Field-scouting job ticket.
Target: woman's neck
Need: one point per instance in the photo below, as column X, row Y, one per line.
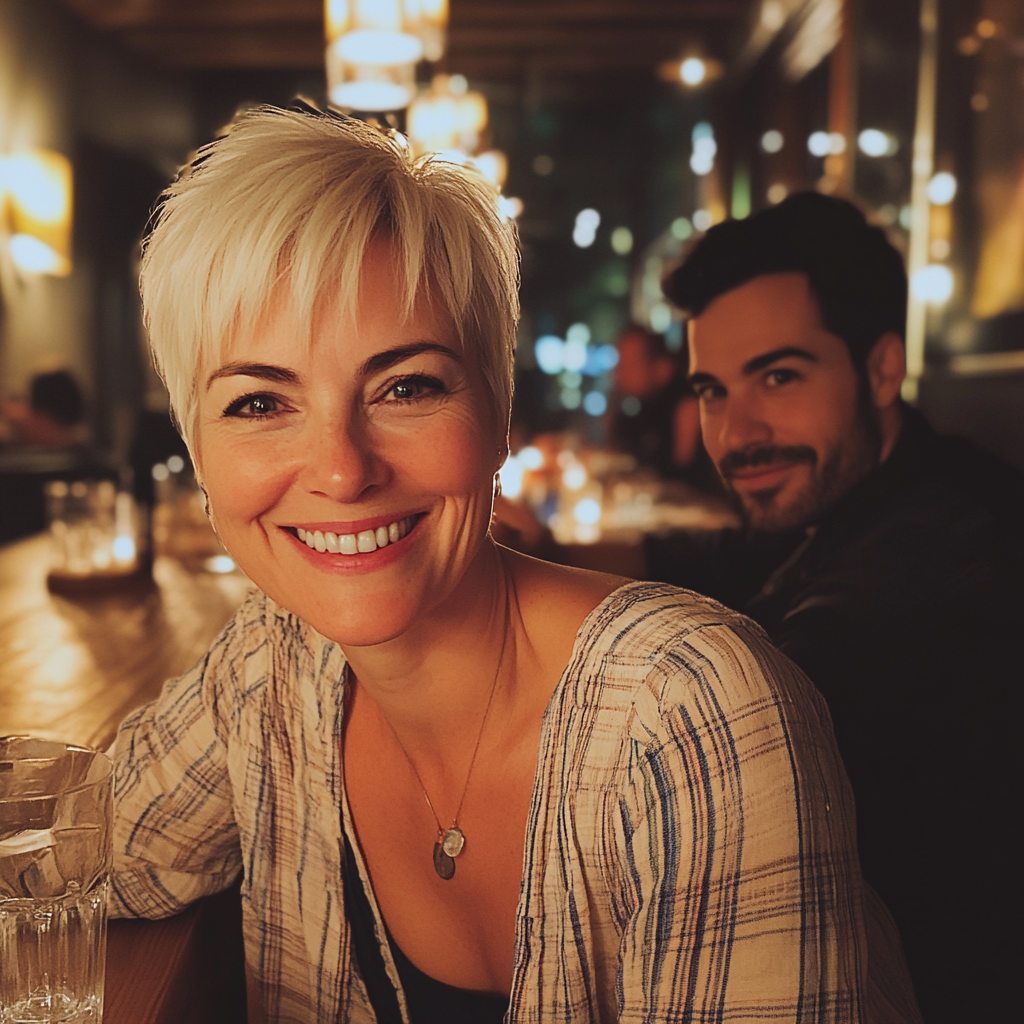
column 432, row 684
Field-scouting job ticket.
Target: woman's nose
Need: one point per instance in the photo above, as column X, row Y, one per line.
column 341, row 462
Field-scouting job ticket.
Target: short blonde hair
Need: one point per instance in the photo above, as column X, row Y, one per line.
column 293, row 197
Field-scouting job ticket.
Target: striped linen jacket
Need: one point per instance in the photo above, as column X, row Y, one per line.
column 690, row 852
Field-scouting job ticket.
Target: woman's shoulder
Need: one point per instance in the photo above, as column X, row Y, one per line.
column 262, row 634
column 653, row 647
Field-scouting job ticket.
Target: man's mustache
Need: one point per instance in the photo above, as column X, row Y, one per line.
column 754, row 457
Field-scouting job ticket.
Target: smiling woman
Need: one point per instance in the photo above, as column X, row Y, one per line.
column 459, row 784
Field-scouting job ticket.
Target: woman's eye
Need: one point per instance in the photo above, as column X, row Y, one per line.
column 411, row 388
column 253, row 407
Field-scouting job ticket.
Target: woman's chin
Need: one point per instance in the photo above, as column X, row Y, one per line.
column 366, row 626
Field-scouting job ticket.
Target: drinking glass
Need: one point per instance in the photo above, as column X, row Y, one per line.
column 94, row 529
column 56, row 805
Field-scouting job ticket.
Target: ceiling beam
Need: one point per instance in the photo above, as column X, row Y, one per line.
column 142, row 14
column 489, row 35
column 139, row 14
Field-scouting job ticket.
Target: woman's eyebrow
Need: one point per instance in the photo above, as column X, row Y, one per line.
column 263, row 371
column 383, row 360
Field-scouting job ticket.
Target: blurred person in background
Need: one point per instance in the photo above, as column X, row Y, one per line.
column 657, row 421
column 884, row 559
column 52, row 417
column 459, row 783
column 43, row 438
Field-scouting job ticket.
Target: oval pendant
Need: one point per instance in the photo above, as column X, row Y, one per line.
column 453, row 841
column 443, row 864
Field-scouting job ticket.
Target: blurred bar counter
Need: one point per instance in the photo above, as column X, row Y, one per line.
column 71, row 668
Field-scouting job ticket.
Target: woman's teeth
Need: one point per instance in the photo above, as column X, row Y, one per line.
column 356, row 543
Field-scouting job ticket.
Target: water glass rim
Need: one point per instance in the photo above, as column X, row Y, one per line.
column 69, row 748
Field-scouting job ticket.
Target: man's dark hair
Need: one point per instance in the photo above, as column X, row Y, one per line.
column 854, row 272
column 57, row 395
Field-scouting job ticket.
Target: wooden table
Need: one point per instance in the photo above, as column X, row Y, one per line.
column 71, row 668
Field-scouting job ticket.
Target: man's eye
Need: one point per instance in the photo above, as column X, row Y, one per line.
column 253, row 407
column 707, row 392
column 775, row 378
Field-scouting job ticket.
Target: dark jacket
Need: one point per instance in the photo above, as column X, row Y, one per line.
column 905, row 608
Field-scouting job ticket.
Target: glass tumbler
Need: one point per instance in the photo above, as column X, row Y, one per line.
column 56, row 805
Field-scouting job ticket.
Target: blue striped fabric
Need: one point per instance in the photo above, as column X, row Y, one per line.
column 690, row 852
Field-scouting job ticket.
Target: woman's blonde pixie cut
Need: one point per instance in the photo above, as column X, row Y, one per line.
column 290, row 198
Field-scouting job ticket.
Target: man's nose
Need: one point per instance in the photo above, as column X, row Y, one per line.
column 743, row 425
column 341, row 461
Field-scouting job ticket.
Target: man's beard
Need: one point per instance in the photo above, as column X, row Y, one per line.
column 839, row 469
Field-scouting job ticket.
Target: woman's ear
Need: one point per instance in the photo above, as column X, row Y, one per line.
column 886, row 366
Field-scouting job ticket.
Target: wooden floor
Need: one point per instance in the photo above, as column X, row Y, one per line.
column 72, row 668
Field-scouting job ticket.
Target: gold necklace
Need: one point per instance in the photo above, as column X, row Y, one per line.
column 452, row 840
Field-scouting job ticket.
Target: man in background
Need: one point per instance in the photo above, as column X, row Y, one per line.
column 885, row 560
column 657, row 421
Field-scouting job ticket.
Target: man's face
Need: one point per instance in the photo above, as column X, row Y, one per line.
column 783, row 412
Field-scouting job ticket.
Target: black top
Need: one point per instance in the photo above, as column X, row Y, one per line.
column 429, row 1001
column 905, row 609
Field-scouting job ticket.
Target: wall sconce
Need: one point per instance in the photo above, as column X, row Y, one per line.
column 35, row 210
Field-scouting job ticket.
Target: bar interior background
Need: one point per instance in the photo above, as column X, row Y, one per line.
column 591, row 105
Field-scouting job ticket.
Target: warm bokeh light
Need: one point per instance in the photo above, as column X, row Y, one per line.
column 493, row 165
column 510, row 207
column 220, row 564
column 587, row 511
column 366, row 46
column 826, row 143
column 702, row 219
column 681, row 229
column 704, row 149
column 932, row 284
column 433, row 26
column 773, row 15
column 549, row 351
column 574, row 355
column 585, row 229
column 33, row 256
column 942, row 188
column 373, row 46
column 622, row 241
column 531, row 458
column 35, row 190
column 511, row 477
column 447, row 117
column 425, row 20
column 123, row 550
column 335, row 18
column 772, row 141
column 875, row 143
column 574, row 476
column 692, row 71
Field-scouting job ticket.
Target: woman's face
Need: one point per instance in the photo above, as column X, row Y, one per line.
column 378, row 437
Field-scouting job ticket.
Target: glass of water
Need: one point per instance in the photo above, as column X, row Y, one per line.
column 55, row 854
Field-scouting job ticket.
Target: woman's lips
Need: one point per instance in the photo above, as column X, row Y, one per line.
column 363, row 542
column 352, row 552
